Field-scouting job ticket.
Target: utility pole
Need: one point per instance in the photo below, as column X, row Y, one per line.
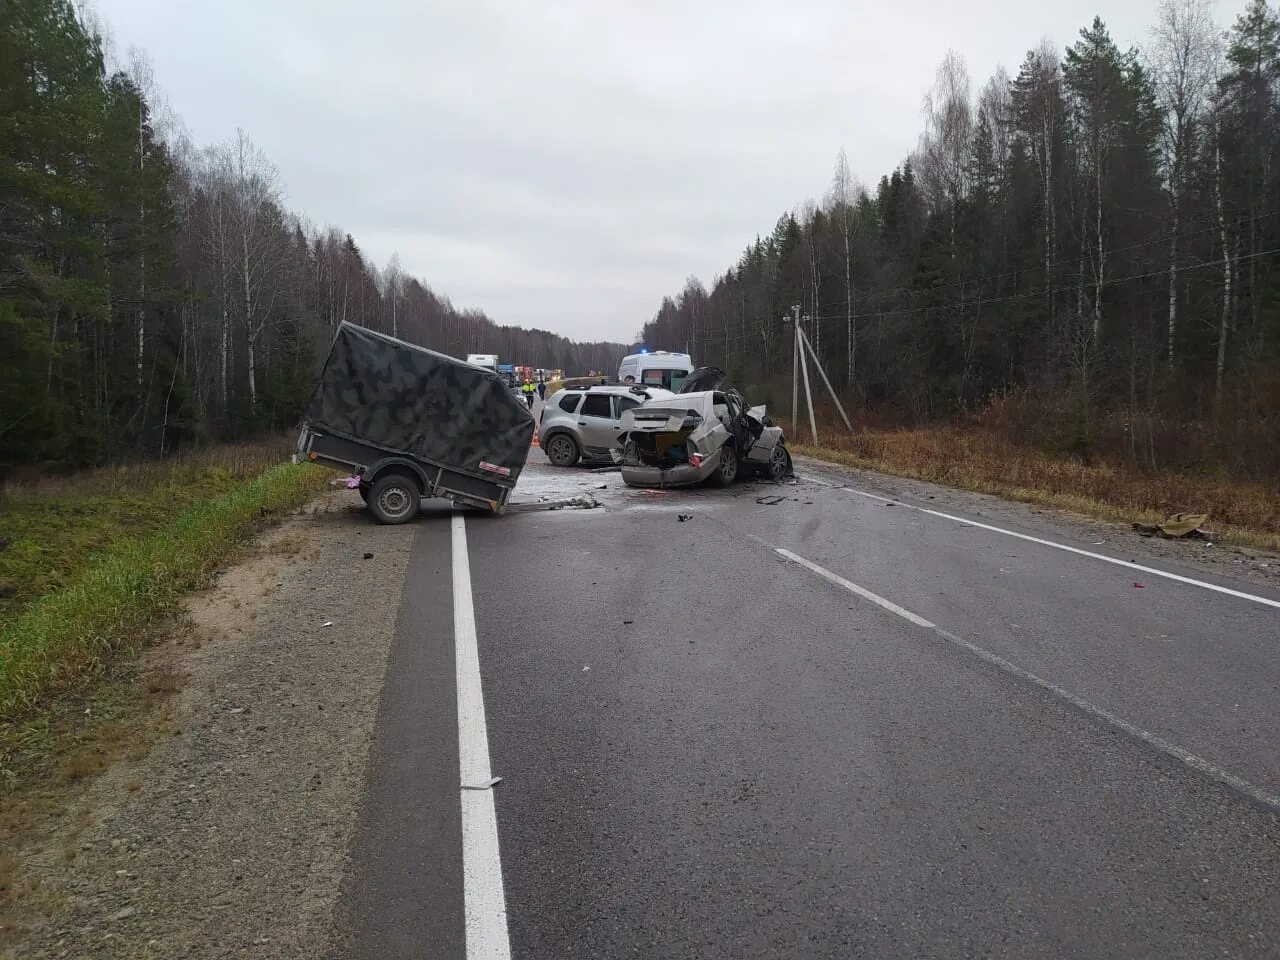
column 795, row 367
column 800, row 371
column 804, row 370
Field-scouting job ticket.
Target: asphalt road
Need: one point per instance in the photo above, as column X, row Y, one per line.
column 830, row 725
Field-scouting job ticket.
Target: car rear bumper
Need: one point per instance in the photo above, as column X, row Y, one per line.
column 682, row 475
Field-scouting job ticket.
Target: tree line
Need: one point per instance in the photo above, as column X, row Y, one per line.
column 154, row 295
column 1086, row 251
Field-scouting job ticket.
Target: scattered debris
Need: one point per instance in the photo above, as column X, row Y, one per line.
column 1178, row 526
column 627, row 623
column 583, row 502
column 368, row 556
column 682, row 517
column 487, row 785
column 124, row 914
column 1138, row 585
column 327, row 623
column 585, row 669
column 353, row 483
column 770, row 501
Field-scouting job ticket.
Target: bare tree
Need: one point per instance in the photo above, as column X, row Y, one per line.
column 1184, row 62
column 393, row 291
column 840, row 207
column 948, row 136
column 258, row 257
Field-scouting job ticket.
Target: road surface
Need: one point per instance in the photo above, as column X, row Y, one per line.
column 842, row 723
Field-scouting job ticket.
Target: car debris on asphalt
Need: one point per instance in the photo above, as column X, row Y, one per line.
column 1180, row 526
column 487, row 785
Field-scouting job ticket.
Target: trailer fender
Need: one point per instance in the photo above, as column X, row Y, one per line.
column 398, row 465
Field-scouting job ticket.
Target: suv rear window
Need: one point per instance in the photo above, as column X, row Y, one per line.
column 596, row 405
column 569, row 402
column 670, row 379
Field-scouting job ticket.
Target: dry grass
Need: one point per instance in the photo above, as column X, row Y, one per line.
column 979, row 460
column 51, row 529
column 121, row 591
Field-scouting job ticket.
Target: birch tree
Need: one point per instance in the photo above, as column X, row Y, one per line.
column 1184, row 65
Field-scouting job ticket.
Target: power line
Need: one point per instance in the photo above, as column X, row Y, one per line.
column 1045, row 292
column 716, row 335
column 1038, row 268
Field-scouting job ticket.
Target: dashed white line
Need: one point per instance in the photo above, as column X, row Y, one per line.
column 1256, row 794
column 484, row 902
column 1126, row 564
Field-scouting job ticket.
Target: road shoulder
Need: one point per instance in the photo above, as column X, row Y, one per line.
column 230, row 835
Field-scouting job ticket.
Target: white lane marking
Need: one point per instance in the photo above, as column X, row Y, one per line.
column 1126, row 564
column 1185, row 757
column 852, row 587
column 484, row 901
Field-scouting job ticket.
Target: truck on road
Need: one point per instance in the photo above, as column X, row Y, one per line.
column 411, row 423
column 487, row 360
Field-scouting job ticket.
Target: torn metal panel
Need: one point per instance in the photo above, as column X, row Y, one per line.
column 686, row 440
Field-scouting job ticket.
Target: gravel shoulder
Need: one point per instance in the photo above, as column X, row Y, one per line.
column 229, row 837
column 1258, row 567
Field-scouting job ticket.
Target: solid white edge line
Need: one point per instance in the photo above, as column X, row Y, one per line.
column 484, row 900
column 1186, row 758
column 1125, row 564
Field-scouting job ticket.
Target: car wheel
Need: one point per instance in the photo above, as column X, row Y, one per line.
column 727, row 470
column 394, row 498
column 778, row 463
column 562, row 450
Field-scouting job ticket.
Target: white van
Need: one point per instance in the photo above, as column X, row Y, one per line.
column 655, row 369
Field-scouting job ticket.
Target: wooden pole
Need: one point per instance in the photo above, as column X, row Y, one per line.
column 795, row 378
column 804, row 371
column 822, row 373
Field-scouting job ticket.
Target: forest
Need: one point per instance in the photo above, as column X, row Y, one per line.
column 155, row 296
column 1081, row 256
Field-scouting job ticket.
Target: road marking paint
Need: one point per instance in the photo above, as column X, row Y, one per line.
column 852, row 587
column 484, row 901
column 1257, row 795
column 1127, row 564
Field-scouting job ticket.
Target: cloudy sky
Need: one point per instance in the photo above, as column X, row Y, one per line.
column 565, row 165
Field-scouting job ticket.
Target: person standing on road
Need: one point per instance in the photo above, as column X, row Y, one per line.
column 542, row 389
column 528, row 393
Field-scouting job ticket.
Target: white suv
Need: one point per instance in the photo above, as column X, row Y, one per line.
column 584, row 423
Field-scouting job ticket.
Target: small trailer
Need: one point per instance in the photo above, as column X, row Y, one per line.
column 409, row 423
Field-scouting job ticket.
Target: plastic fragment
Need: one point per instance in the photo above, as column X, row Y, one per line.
column 487, row 785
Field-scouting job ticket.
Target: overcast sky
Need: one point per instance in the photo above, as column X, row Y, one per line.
column 565, row 165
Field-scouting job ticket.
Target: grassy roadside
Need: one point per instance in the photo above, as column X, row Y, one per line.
column 106, row 598
column 971, row 460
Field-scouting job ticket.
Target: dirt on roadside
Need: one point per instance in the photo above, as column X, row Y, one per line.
column 1255, row 566
column 227, row 838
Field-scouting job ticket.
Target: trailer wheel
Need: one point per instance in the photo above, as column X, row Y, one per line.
column 394, row 498
column 364, row 491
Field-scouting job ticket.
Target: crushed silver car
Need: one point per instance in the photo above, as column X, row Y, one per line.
column 703, row 433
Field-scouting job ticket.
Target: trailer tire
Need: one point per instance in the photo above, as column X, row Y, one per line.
column 364, row 491
column 394, row 497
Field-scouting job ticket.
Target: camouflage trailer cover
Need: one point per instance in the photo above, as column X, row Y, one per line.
column 406, row 399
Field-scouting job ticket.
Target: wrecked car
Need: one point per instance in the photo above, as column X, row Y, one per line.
column 704, row 433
